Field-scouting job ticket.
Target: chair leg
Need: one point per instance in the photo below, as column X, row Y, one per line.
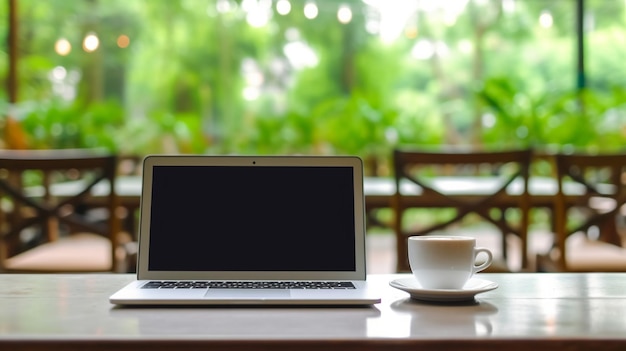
column 609, row 232
column 402, row 263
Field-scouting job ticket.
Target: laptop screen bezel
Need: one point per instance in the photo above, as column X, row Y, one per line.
column 151, row 161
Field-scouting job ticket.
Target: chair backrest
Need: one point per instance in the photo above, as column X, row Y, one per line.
column 468, row 182
column 591, row 193
column 45, row 194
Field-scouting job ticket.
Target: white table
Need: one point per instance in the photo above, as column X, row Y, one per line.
column 527, row 312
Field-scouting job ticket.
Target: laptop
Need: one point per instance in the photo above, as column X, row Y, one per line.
column 229, row 230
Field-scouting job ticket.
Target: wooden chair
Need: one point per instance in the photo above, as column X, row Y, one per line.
column 485, row 184
column 587, row 213
column 47, row 221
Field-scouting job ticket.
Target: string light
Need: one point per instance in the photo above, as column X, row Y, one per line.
column 62, row 47
column 283, row 7
column 545, row 19
column 310, row 10
column 91, row 42
column 344, row 14
column 123, row 41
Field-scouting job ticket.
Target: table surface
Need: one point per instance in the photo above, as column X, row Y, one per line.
column 459, row 185
column 528, row 310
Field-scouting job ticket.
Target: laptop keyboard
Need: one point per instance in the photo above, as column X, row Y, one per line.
column 185, row 284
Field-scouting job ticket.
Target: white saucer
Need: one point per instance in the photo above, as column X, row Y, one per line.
column 468, row 292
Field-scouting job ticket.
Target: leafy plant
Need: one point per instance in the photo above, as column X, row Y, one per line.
column 57, row 124
column 573, row 119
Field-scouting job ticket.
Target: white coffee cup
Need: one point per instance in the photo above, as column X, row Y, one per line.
column 445, row 262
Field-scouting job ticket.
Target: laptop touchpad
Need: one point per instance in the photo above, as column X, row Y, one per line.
column 247, row 293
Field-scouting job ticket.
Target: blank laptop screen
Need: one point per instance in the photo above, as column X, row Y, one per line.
column 238, row 218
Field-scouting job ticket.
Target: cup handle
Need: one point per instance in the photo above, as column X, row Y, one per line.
column 487, row 262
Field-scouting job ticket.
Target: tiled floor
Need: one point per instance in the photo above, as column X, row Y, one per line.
column 381, row 256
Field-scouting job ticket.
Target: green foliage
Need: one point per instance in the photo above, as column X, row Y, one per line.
column 577, row 119
column 60, row 125
column 495, row 78
column 291, row 133
column 356, row 125
column 162, row 133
